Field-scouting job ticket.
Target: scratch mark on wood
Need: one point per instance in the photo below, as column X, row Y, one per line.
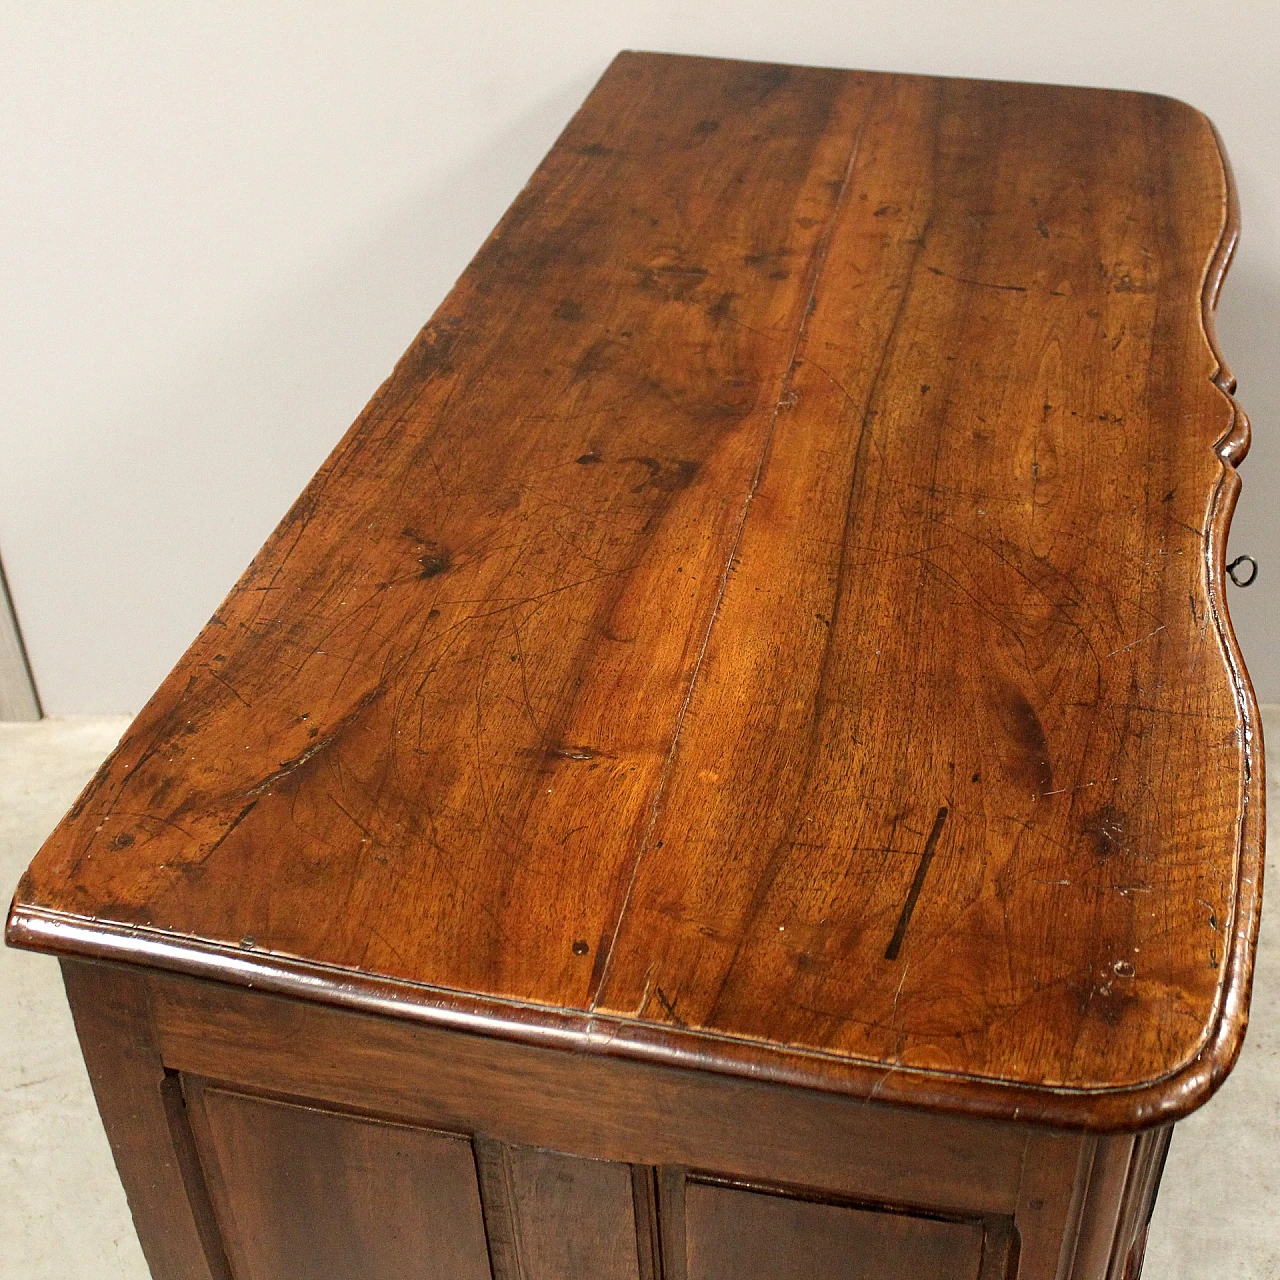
column 985, row 284
column 669, row 1007
column 1134, row 643
column 231, row 826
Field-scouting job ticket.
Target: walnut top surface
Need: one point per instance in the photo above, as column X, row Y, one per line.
column 771, row 621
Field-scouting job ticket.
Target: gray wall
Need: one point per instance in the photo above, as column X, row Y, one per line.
column 223, row 222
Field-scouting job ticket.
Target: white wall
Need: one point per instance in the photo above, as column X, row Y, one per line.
column 222, row 222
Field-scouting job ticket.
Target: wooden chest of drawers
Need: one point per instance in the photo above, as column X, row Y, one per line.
column 738, row 765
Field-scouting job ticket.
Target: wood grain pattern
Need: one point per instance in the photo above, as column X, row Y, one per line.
column 997, row 604
column 771, row 620
column 562, row 1217
column 735, row 1234
column 307, row 1194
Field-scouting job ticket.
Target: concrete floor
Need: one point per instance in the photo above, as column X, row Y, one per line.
column 63, row 1215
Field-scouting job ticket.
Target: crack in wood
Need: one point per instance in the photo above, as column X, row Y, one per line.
column 908, row 907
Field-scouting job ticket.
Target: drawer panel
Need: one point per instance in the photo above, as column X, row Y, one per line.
column 306, row 1194
column 553, row 1216
column 734, row 1234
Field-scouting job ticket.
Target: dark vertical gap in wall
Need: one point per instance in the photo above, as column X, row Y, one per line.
column 19, row 699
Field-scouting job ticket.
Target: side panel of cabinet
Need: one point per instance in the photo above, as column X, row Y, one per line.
column 307, row 1194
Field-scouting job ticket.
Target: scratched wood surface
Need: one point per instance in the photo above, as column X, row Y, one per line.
column 771, row 620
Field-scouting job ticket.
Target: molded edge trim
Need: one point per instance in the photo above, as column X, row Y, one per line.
column 1224, row 1036
column 1102, row 1110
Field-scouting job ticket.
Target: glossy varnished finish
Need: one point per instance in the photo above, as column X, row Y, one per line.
column 771, row 621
